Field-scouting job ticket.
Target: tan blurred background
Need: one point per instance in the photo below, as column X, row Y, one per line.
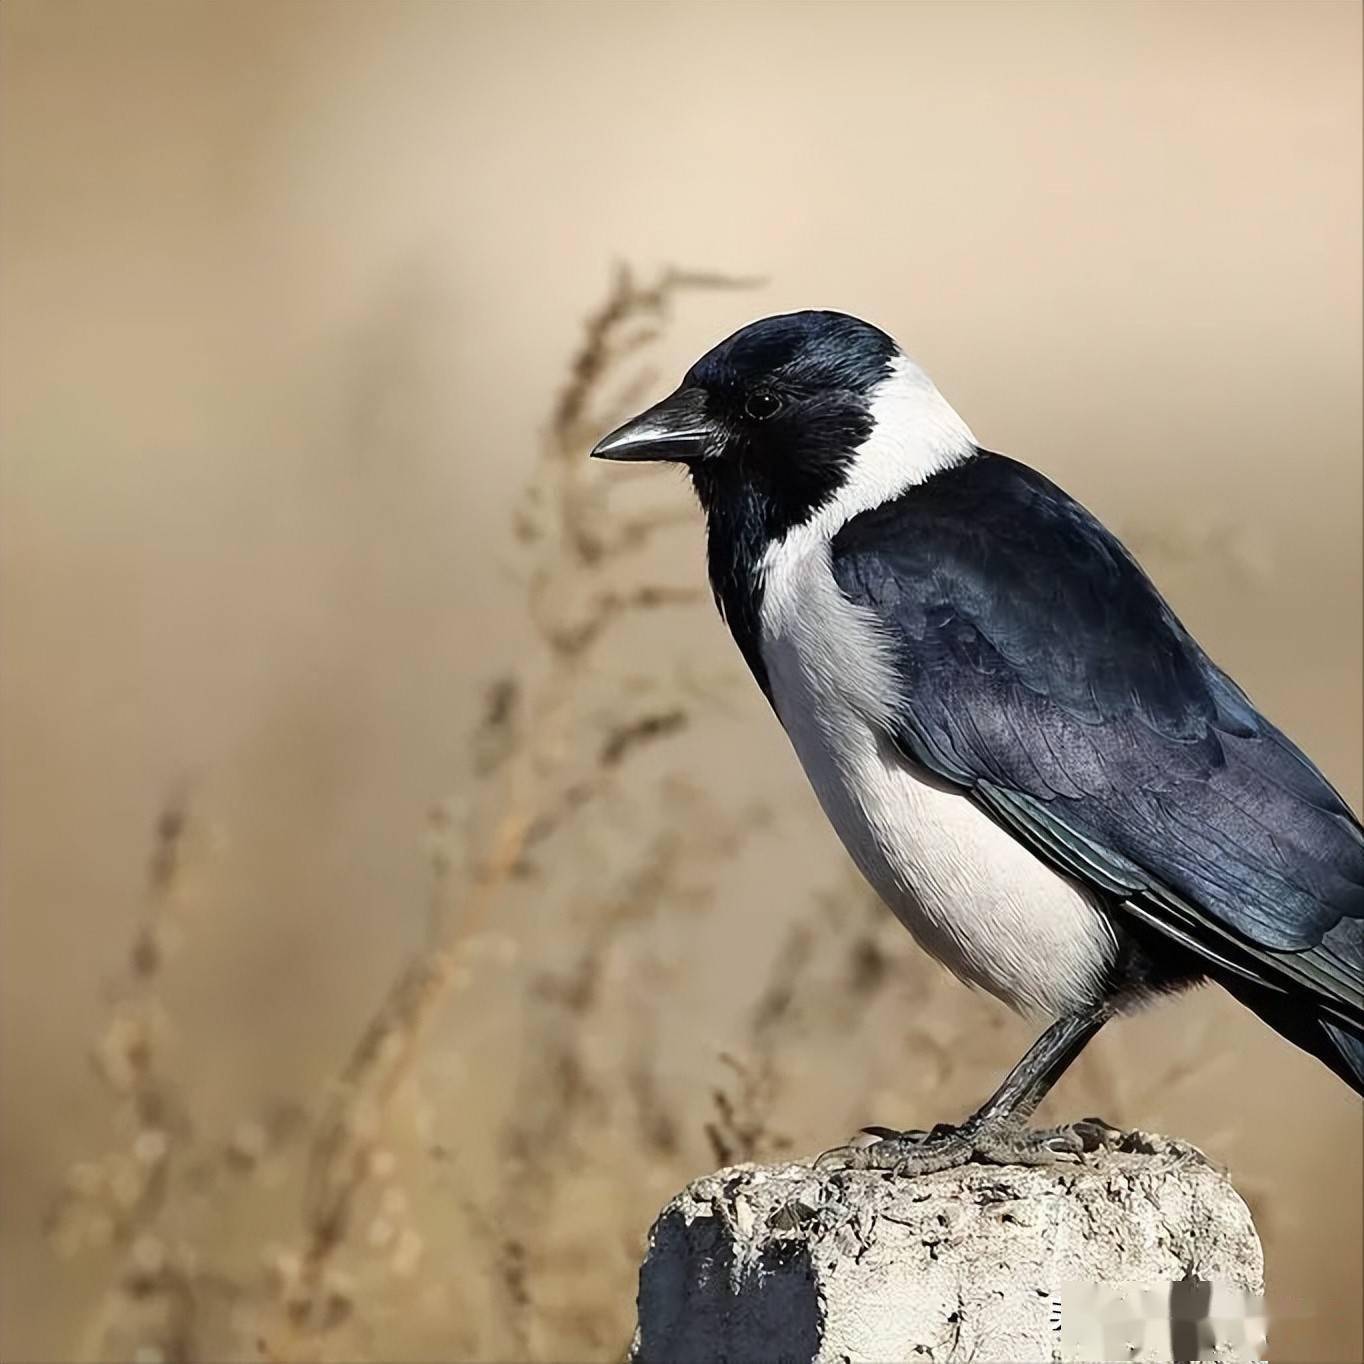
column 288, row 290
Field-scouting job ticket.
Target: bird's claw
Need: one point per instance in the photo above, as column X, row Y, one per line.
column 945, row 1147
column 1096, row 1134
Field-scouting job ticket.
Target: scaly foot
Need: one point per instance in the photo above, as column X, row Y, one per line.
column 947, row 1147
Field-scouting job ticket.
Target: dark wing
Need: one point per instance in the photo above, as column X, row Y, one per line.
column 1044, row 673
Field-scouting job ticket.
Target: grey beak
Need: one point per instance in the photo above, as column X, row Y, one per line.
column 677, row 430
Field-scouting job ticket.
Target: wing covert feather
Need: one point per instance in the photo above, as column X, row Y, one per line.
column 1042, row 671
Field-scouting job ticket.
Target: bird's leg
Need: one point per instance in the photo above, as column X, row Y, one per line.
column 995, row 1132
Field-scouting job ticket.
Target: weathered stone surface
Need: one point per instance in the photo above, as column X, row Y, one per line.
column 984, row 1263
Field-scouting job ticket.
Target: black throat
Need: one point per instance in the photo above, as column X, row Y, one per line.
column 751, row 500
column 736, row 540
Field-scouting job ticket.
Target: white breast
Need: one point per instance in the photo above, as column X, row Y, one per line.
column 974, row 897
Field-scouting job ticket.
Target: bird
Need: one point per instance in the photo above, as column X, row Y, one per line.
column 1023, row 749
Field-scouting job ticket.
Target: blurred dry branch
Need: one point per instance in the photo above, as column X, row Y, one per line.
column 536, row 771
column 118, row 1199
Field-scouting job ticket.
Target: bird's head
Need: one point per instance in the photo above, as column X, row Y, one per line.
column 795, row 413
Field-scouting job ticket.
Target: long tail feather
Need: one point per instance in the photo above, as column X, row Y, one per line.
column 1349, row 1047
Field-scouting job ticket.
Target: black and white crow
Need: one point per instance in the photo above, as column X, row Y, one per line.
column 1026, row 754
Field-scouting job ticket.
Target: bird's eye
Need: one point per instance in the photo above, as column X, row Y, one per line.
column 761, row 404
